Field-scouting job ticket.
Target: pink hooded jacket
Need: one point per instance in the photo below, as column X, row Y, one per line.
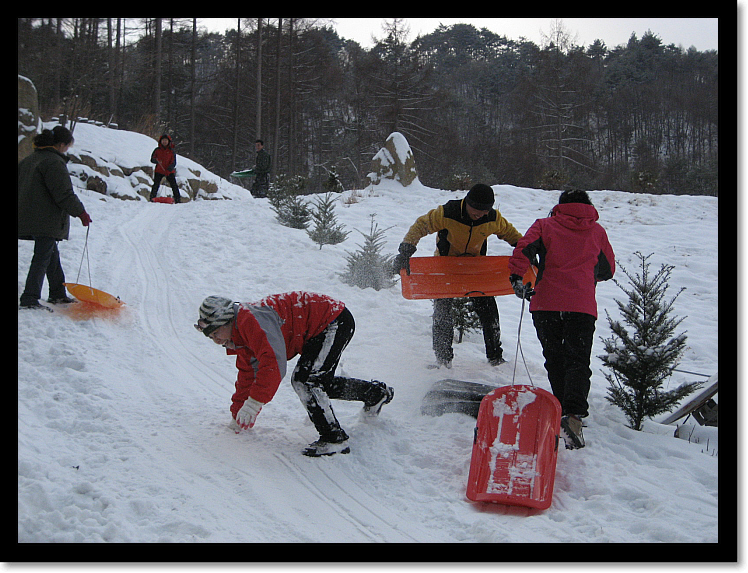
column 573, row 255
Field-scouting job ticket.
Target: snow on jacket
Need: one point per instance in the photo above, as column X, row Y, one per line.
column 458, row 234
column 164, row 157
column 46, row 199
column 573, row 254
column 270, row 332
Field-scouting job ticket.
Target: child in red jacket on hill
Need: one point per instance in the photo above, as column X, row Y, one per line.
column 266, row 334
column 572, row 254
column 166, row 166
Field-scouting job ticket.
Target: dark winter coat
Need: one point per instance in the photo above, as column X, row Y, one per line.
column 262, row 163
column 458, row 234
column 164, row 157
column 573, row 256
column 45, row 196
column 270, row 332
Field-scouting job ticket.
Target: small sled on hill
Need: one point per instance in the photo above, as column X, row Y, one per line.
column 98, row 297
column 454, row 396
column 515, row 447
column 245, row 173
column 92, row 301
column 702, row 406
column 456, row 277
column 169, row 200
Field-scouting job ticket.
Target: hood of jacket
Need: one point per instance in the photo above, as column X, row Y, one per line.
column 169, row 145
column 576, row 216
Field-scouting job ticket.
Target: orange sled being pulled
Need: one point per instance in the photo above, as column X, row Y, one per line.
column 87, row 294
column 455, row 277
column 515, row 447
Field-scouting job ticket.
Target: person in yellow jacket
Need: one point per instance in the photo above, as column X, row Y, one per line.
column 463, row 227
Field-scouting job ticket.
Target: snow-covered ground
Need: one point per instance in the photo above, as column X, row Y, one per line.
column 123, row 420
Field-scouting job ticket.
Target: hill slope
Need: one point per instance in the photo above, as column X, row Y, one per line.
column 123, row 422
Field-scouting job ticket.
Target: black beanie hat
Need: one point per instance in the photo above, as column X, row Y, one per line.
column 480, row 197
column 574, row 196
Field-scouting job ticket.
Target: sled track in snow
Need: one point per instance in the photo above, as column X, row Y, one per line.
column 352, row 504
column 161, row 323
column 161, row 319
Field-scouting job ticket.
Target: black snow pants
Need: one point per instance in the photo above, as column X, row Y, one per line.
column 171, row 178
column 443, row 327
column 260, row 185
column 315, row 382
column 45, row 262
column 566, row 338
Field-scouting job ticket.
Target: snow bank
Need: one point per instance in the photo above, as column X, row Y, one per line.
column 123, row 422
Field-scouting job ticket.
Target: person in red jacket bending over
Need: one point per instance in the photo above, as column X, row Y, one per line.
column 264, row 335
column 572, row 254
column 166, row 166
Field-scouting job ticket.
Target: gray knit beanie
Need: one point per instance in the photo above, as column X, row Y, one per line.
column 215, row 311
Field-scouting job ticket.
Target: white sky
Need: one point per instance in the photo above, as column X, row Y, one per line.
column 698, row 32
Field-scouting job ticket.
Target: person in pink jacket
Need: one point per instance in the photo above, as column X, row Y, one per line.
column 264, row 335
column 572, row 254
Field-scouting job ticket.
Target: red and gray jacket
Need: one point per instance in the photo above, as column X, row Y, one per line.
column 164, row 157
column 573, row 255
column 270, row 332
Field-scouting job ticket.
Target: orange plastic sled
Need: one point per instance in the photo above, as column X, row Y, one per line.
column 455, row 277
column 85, row 293
column 515, row 447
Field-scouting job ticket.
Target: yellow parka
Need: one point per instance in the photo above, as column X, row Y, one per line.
column 458, row 234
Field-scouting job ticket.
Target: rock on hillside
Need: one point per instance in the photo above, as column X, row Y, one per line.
column 28, row 116
column 394, row 161
column 118, row 164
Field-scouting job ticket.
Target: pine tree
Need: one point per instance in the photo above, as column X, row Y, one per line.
column 326, row 230
column 284, row 197
column 641, row 360
column 464, row 317
column 333, row 184
column 367, row 268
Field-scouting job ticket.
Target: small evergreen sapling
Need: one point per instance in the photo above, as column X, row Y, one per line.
column 464, row 317
column 284, row 197
column 326, row 229
column 641, row 360
column 367, row 268
column 332, row 184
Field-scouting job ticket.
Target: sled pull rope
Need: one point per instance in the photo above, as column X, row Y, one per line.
column 85, row 254
column 519, row 348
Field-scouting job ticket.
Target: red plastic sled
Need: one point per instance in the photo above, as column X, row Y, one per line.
column 515, row 447
column 163, row 200
column 455, row 277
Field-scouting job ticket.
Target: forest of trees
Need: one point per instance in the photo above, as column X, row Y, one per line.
column 474, row 106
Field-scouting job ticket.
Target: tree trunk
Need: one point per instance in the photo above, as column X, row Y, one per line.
column 193, row 76
column 276, row 136
column 259, row 78
column 157, row 68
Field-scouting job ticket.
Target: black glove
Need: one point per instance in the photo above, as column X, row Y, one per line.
column 402, row 260
column 521, row 290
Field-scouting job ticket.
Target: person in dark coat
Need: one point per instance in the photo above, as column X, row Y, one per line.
column 262, row 171
column 166, row 166
column 45, row 203
column 572, row 254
